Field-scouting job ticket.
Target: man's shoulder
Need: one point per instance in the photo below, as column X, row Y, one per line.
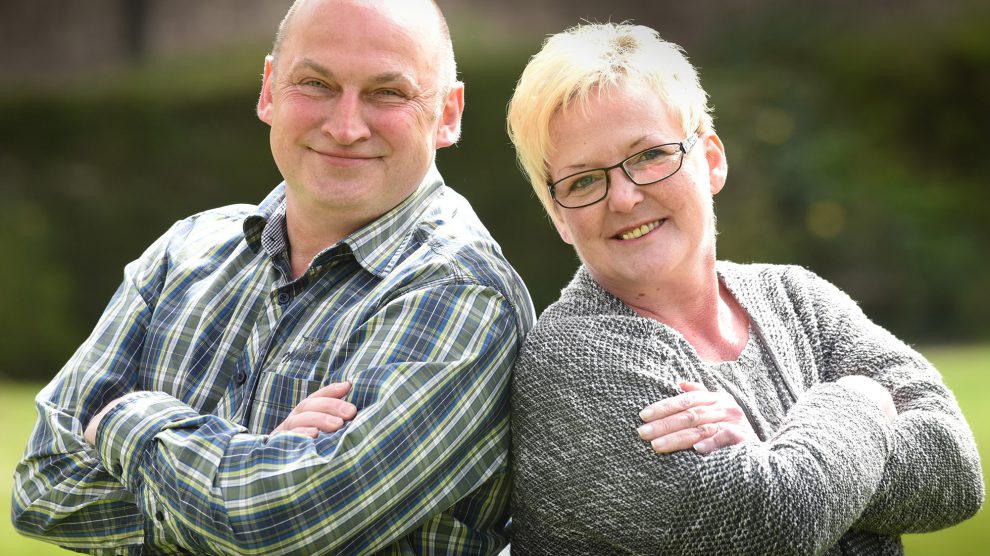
column 226, row 215
column 449, row 245
column 208, row 229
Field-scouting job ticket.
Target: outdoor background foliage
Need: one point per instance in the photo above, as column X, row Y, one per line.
column 855, row 148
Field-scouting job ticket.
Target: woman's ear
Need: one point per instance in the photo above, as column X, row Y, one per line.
column 562, row 229
column 718, row 165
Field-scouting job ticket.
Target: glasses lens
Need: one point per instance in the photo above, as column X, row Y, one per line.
column 581, row 189
column 653, row 164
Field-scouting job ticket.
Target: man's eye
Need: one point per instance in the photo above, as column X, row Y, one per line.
column 389, row 93
column 314, row 83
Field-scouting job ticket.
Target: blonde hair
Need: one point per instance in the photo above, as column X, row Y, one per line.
column 597, row 58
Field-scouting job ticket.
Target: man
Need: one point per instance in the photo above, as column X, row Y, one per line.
column 323, row 373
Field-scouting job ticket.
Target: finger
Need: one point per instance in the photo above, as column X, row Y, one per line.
column 687, row 419
column 676, row 404
column 692, row 386
column 330, row 406
column 332, row 390
column 684, row 439
column 306, row 431
column 311, row 419
column 727, row 436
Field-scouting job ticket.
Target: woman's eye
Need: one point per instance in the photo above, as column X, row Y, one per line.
column 582, row 183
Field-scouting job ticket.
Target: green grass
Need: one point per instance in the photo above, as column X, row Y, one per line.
column 966, row 370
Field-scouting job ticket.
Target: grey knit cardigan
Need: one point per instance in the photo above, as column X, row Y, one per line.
column 831, row 475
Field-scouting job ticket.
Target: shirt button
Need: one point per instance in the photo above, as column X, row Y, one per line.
column 159, row 515
column 283, row 298
column 137, row 482
column 117, row 469
column 240, row 377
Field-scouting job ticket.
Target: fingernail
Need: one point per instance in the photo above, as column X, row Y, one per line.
column 704, row 446
column 658, row 444
column 646, row 414
column 645, row 431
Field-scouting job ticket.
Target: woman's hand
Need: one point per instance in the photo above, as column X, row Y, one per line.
column 321, row 411
column 699, row 419
column 873, row 390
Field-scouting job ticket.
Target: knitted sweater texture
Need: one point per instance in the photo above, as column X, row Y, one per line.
column 830, row 474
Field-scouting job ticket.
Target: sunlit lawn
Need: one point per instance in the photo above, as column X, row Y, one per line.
column 966, row 370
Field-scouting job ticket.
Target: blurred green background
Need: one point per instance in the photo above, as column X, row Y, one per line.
column 855, row 137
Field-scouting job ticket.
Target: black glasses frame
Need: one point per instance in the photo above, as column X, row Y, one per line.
column 684, row 147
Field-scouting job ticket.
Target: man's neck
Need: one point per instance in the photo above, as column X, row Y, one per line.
column 310, row 234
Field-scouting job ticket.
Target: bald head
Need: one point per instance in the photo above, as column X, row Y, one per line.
column 400, row 9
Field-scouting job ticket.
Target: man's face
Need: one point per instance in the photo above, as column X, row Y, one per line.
column 356, row 109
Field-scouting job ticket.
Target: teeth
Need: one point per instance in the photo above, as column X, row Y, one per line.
column 641, row 231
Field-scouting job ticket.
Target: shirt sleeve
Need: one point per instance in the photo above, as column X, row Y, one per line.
column 584, row 480
column 932, row 478
column 62, row 491
column 437, row 430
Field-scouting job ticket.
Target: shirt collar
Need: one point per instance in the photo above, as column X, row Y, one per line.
column 377, row 247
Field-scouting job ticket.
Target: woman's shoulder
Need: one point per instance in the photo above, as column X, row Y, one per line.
column 770, row 282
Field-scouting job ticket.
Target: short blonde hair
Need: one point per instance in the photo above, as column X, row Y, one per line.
column 597, row 58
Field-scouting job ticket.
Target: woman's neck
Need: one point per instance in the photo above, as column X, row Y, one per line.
column 700, row 308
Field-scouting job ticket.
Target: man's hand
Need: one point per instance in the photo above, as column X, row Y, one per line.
column 321, row 411
column 699, row 419
column 90, row 433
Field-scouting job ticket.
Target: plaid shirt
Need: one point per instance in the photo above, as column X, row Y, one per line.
column 418, row 310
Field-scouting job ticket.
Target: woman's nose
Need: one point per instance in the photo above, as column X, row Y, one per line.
column 623, row 194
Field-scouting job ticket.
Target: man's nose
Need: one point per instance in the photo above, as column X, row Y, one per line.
column 623, row 194
column 346, row 121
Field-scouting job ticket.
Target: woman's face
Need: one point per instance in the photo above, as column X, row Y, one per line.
column 677, row 211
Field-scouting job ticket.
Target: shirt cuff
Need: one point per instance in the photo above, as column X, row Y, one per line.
column 124, row 436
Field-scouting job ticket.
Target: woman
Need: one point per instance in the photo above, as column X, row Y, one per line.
column 669, row 403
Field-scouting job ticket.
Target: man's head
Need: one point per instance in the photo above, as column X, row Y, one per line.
column 591, row 60
column 359, row 95
column 447, row 71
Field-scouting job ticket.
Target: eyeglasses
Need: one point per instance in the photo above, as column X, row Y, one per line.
column 646, row 167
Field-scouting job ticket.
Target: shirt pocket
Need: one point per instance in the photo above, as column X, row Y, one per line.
column 275, row 396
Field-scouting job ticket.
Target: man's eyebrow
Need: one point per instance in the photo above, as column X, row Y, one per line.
column 387, row 77
column 391, row 77
column 313, row 65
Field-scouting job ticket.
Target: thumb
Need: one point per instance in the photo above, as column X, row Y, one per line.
column 692, row 386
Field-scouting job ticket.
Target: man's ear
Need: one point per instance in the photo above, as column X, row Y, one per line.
column 449, row 127
column 718, row 165
column 265, row 103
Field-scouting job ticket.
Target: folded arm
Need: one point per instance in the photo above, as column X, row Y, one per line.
column 932, row 478
column 163, row 473
column 583, row 472
column 62, row 491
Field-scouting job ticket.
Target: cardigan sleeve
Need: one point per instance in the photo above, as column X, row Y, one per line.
column 585, row 481
column 932, row 478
